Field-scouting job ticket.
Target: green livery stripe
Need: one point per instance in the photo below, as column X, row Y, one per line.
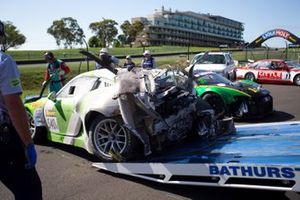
column 77, row 142
column 214, row 88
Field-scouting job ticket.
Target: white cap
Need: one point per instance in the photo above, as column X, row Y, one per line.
column 128, row 57
column 103, row 51
column 146, row 52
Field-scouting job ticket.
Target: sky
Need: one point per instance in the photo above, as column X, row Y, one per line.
column 33, row 17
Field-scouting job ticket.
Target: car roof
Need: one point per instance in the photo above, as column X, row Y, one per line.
column 213, row 53
column 271, row 59
column 101, row 73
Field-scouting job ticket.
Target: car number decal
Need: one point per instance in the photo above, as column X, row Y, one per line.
column 52, row 124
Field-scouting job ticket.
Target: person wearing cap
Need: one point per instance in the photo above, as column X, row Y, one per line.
column 17, row 152
column 106, row 59
column 129, row 64
column 56, row 71
column 148, row 61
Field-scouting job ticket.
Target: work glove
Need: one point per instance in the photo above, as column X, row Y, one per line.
column 30, row 154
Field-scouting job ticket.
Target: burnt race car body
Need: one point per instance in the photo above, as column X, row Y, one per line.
column 271, row 71
column 121, row 115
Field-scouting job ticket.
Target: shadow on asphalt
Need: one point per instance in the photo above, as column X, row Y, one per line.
column 77, row 151
column 275, row 116
column 204, row 192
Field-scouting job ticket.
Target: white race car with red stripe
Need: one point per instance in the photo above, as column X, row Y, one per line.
column 271, row 71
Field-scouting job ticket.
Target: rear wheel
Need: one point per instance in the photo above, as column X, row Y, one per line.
column 297, row 80
column 110, row 140
column 217, row 103
column 250, row 76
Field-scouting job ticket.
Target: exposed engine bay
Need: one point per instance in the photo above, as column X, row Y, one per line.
column 159, row 107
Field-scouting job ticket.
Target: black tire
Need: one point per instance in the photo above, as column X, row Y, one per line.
column 217, row 103
column 297, row 80
column 250, row 76
column 233, row 76
column 110, row 140
column 38, row 134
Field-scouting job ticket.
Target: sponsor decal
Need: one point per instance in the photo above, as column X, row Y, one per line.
column 37, row 104
column 269, row 75
column 49, row 113
column 277, row 32
column 253, row 171
column 52, row 124
column 14, row 82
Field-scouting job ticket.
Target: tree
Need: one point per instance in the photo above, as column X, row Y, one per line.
column 66, row 31
column 13, row 37
column 116, row 43
column 122, row 39
column 131, row 30
column 105, row 30
column 94, row 42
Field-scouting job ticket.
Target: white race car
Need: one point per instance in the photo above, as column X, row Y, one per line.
column 118, row 117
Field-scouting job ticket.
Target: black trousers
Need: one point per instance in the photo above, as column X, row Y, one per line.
column 25, row 184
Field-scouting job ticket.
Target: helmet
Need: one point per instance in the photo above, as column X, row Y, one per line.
column 2, row 32
column 128, row 57
column 103, row 51
column 147, row 52
column 49, row 55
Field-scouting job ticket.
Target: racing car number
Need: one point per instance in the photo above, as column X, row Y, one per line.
column 52, row 124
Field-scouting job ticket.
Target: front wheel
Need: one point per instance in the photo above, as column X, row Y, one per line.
column 217, row 103
column 110, row 140
column 297, row 80
column 38, row 134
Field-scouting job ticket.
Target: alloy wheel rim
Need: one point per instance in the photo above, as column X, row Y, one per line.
column 110, row 137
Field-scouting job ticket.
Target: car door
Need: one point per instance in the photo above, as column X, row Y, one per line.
column 283, row 68
column 265, row 73
column 60, row 112
column 274, row 72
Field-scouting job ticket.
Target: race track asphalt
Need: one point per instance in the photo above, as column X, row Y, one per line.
column 67, row 174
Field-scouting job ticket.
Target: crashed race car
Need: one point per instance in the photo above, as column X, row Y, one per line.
column 125, row 115
column 242, row 99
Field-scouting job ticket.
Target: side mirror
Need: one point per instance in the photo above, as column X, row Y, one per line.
column 52, row 96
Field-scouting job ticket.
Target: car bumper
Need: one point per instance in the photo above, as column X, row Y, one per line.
column 260, row 106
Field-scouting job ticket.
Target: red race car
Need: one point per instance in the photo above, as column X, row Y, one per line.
column 271, row 71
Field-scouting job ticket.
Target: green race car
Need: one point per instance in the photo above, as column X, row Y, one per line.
column 240, row 99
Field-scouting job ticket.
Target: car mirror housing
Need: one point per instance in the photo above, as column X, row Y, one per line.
column 52, row 96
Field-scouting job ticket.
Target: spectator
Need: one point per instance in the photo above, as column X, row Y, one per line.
column 56, row 71
column 129, row 64
column 148, row 61
column 17, row 151
column 107, row 59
